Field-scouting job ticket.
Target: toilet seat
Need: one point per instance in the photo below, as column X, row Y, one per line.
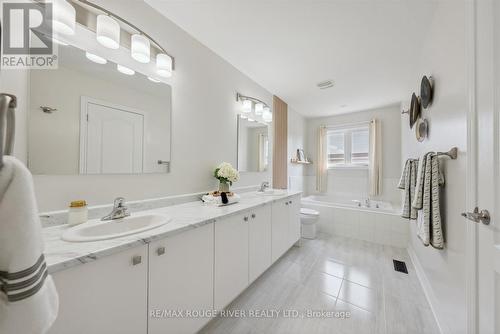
column 308, row 212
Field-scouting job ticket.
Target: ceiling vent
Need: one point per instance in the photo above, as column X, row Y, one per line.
column 325, row 84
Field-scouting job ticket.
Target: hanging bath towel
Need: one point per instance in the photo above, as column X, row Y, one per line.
column 407, row 183
column 427, row 200
column 28, row 297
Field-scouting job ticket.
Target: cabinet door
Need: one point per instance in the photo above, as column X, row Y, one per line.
column 294, row 220
column 108, row 295
column 181, row 278
column 280, row 237
column 231, row 259
column 259, row 241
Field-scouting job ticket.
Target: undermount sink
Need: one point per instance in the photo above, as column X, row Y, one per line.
column 271, row 192
column 96, row 229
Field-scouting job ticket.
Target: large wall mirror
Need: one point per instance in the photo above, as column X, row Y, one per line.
column 86, row 117
column 253, row 145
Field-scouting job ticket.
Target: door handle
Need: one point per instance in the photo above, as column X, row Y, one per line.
column 136, row 260
column 160, row 251
column 477, row 216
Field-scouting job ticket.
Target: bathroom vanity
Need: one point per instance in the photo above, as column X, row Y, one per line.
column 199, row 262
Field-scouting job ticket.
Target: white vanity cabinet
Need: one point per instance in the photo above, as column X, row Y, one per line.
column 285, row 225
column 181, row 279
column 259, row 241
column 231, row 258
column 108, row 295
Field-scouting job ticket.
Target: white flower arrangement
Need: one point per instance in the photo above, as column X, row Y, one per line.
column 226, row 173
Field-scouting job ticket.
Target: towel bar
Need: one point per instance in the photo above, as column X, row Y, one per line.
column 452, row 153
column 8, row 103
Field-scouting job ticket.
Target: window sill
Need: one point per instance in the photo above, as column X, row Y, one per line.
column 349, row 167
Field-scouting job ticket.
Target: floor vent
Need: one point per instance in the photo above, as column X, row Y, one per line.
column 400, row 266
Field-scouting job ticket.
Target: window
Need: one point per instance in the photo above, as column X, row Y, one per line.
column 348, row 147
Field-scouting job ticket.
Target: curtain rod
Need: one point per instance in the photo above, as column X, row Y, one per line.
column 344, row 125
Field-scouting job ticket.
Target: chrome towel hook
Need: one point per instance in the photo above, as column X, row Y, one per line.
column 8, row 104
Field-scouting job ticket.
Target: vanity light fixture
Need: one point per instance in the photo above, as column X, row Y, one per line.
column 63, row 17
column 124, row 70
column 259, row 108
column 247, row 106
column 164, row 65
column 153, row 80
column 108, row 31
column 95, row 58
column 267, row 116
column 140, row 48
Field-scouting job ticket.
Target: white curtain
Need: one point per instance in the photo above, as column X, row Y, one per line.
column 375, row 159
column 322, row 161
column 263, row 152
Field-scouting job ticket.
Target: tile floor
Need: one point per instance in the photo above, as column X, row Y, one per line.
column 335, row 274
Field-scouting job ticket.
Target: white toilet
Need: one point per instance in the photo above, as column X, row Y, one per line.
column 308, row 221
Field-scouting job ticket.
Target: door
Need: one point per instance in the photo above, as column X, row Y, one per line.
column 231, row 259
column 484, row 185
column 108, row 295
column 280, row 237
column 181, row 278
column 113, row 140
column 259, row 241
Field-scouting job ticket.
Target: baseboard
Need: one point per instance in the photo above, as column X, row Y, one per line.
column 429, row 294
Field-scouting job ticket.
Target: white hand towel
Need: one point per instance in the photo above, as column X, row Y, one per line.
column 28, row 297
column 217, row 200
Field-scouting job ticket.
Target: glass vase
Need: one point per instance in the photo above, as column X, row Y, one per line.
column 223, row 186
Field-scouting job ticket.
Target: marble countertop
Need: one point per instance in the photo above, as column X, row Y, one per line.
column 60, row 254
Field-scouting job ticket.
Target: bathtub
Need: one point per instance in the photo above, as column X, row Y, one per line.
column 378, row 222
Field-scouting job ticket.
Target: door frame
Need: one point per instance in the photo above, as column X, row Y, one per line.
column 84, row 102
column 472, row 187
column 471, row 170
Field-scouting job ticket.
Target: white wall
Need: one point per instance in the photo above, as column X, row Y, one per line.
column 443, row 57
column 296, row 140
column 203, row 121
column 354, row 182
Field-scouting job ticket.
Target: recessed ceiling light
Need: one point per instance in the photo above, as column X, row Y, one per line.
column 325, row 84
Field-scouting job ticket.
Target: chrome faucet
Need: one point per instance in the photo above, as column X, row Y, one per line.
column 119, row 210
column 263, row 186
column 367, row 202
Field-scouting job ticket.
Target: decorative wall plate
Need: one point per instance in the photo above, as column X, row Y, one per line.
column 426, row 91
column 414, row 109
column 421, row 129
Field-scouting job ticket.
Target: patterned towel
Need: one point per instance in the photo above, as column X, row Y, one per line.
column 407, row 183
column 427, row 200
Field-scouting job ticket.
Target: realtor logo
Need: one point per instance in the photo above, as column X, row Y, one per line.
column 27, row 36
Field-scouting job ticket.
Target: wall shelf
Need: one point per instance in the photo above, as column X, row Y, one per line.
column 293, row 161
